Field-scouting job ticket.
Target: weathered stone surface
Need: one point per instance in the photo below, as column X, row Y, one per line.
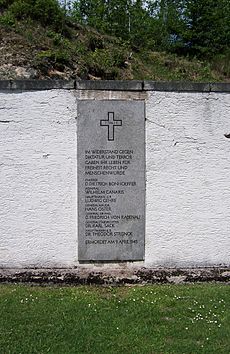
column 176, row 86
column 220, row 87
column 115, row 276
column 111, row 180
column 36, row 85
column 126, row 88
column 128, row 85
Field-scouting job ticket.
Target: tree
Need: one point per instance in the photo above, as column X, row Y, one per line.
column 198, row 27
column 208, row 26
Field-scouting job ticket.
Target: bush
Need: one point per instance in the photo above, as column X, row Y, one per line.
column 47, row 12
column 105, row 63
column 58, row 39
column 20, row 9
column 53, row 56
column 7, row 19
column 4, row 4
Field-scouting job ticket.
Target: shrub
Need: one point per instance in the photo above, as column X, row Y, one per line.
column 4, row 4
column 47, row 12
column 53, row 56
column 7, row 19
column 20, row 9
column 105, row 62
column 58, row 39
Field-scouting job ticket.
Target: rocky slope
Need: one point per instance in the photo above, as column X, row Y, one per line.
column 29, row 50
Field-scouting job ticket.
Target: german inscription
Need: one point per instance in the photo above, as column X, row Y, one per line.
column 111, row 180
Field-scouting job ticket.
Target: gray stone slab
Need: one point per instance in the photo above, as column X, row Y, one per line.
column 109, row 85
column 111, row 180
column 173, row 86
column 36, row 85
column 112, row 85
column 220, row 87
column 5, row 85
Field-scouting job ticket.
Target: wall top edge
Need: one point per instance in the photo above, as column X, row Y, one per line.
column 110, row 85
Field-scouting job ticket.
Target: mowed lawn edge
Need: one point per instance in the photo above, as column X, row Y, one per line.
column 192, row 318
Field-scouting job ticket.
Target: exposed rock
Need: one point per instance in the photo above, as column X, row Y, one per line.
column 91, row 77
column 24, row 73
column 11, row 72
column 56, row 74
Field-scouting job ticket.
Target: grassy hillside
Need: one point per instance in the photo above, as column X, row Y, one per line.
column 38, row 49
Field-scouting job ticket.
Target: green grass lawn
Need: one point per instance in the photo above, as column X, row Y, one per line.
column 140, row 319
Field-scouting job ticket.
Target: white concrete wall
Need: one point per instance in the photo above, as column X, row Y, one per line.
column 38, row 179
column 188, row 179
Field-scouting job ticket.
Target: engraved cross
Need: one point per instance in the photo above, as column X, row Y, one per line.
column 111, row 123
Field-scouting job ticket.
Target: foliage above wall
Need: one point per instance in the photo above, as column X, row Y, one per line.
column 189, row 26
column 116, row 39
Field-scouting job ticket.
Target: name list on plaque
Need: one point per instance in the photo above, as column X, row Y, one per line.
column 111, row 180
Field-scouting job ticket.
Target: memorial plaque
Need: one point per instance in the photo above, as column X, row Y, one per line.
column 111, row 180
